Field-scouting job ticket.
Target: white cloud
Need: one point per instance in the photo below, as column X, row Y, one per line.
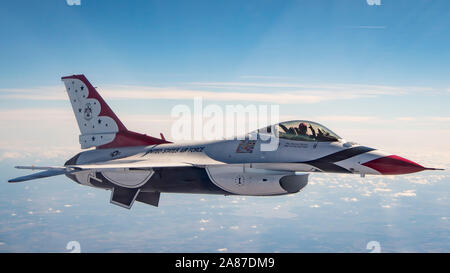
column 36, row 153
column 348, row 199
column 11, row 155
column 405, row 118
column 264, row 77
column 159, row 93
column 73, row 2
column 374, row 89
column 420, row 180
column 222, row 249
column 441, row 119
column 50, row 93
column 234, row 227
column 407, row 193
column 382, row 190
column 352, row 118
column 287, row 93
column 37, row 114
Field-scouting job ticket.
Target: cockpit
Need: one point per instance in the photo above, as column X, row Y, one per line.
column 302, row 130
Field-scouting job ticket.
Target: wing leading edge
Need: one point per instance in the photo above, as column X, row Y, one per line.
column 109, row 166
column 43, row 174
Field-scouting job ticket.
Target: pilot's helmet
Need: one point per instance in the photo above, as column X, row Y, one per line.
column 302, row 127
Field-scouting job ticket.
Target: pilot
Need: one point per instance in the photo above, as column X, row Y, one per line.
column 302, row 130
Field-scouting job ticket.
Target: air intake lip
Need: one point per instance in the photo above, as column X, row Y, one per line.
column 294, row 183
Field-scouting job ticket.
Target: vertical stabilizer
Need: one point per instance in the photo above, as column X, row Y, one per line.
column 98, row 124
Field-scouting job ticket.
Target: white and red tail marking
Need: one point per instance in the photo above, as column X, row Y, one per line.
column 98, row 124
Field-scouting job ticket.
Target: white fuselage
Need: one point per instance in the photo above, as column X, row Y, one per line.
column 235, row 166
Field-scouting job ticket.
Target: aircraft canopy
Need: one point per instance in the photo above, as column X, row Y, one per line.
column 302, row 130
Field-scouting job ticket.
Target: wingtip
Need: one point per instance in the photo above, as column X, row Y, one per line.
column 25, row 167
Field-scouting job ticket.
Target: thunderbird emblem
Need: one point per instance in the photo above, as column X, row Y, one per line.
column 87, row 111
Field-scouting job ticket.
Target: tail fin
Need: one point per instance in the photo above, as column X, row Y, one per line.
column 98, row 124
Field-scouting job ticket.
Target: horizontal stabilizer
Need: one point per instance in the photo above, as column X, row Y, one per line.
column 47, row 173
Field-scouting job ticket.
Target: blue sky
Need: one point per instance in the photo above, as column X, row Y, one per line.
column 377, row 75
column 399, row 42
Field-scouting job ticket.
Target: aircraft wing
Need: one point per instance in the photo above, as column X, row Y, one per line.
column 120, row 166
column 112, row 165
column 54, row 171
column 154, row 161
column 47, row 173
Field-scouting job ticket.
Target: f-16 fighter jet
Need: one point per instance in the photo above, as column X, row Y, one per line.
column 137, row 167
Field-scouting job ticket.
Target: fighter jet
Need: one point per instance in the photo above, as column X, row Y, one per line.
column 137, row 167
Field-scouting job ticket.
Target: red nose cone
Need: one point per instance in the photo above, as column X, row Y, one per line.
column 394, row 165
